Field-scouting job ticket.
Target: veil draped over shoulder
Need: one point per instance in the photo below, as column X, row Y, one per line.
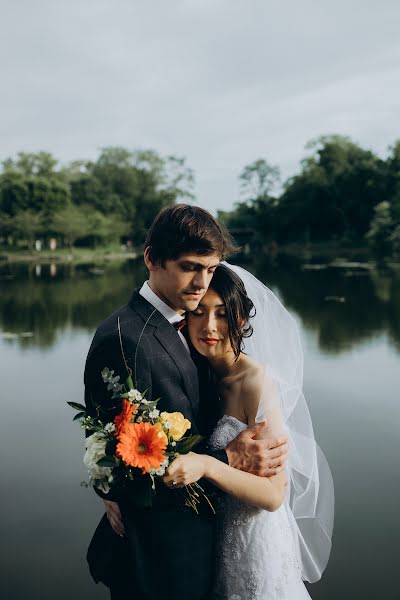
column 275, row 343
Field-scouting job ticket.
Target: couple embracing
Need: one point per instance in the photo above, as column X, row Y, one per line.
column 213, row 343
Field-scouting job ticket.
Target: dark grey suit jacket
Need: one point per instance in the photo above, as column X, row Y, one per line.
column 161, row 367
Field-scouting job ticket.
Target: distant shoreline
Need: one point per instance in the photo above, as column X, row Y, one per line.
column 324, row 252
column 66, row 256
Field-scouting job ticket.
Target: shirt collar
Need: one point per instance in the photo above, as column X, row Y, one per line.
column 169, row 313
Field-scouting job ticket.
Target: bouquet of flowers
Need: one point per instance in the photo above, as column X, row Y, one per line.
column 140, row 442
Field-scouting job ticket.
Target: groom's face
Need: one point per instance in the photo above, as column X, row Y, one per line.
column 182, row 283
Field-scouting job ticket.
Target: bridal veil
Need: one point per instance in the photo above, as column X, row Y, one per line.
column 275, row 343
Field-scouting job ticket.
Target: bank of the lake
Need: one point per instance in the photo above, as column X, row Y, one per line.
column 307, row 252
column 65, row 255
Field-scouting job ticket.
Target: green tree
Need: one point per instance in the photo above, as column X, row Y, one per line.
column 258, row 180
column 120, row 192
column 26, row 225
column 14, row 193
column 5, row 228
column 253, row 219
column 394, row 240
column 381, row 229
column 136, row 185
column 70, row 224
column 32, row 163
column 393, row 180
column 334, row 195
column 47, row 195
column 170, row 174
column 103, row 229
column 30, row 182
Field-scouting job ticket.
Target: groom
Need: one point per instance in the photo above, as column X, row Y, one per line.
column 170, row 546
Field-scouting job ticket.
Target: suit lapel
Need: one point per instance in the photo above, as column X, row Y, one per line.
column 172, row 344
column 169, row 339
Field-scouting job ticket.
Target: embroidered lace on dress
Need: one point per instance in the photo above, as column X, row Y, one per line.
column 256, row 552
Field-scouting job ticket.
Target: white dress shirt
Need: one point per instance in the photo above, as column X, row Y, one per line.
column 169, row 313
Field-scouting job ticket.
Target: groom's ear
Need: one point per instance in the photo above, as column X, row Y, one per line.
column 147, row 260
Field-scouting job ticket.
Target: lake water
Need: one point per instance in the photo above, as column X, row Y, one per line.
column 350, row 324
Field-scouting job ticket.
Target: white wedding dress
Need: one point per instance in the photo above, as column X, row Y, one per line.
column 257, row 555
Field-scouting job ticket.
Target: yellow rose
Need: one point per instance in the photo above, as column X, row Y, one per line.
column 161, row 433
column 178, row 425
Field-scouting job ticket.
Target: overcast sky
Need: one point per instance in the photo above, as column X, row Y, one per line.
column 221, row 82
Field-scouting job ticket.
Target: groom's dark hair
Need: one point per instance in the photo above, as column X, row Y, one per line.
column 186, row 229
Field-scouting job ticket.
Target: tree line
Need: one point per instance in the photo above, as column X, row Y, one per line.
column 87, row 202
column 343, row 193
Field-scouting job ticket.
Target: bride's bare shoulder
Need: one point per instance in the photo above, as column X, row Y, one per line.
column 253, row 372
column 258, row 385
column 252, row 387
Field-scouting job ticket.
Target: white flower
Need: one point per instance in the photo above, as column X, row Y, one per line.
column 95, row 449
column 161, row 469
column 109, row 428
column 103, row 486
column 144, row 401
column 167, row 424
column 153, row 414
column 173, row 443
column 134, row 395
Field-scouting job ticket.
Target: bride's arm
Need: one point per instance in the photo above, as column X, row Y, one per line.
column 262, row 492
column 260, row 400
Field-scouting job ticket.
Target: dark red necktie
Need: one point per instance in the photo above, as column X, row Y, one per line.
column 179, row 324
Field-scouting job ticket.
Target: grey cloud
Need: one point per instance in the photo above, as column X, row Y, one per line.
column 221, row 82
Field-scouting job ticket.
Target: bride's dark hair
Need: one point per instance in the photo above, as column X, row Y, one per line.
column 238, row 305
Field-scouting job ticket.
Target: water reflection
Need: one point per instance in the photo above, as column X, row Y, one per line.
column 48, row 300
column 352, row 398
column 343, row 306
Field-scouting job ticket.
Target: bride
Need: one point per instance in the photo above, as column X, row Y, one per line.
column 275, row 532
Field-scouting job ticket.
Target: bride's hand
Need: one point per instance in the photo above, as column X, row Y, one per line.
column 185, row 469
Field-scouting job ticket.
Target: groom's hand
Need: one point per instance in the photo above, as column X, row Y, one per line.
column 263, row 457
column 115, row 517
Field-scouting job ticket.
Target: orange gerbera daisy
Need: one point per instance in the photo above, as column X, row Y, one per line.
column 142, row 445
column 125, row 416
